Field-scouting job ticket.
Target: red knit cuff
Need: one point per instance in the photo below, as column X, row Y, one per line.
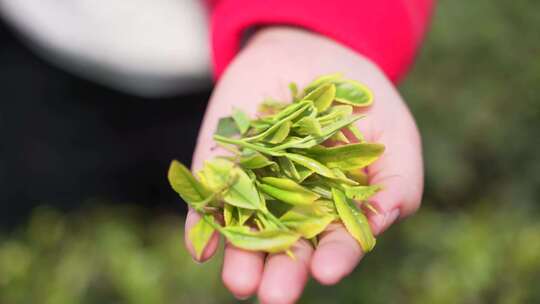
column 388, row 32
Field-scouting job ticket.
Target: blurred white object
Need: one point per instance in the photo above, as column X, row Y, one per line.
column 146, row 47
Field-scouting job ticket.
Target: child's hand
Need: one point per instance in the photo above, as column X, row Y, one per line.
column 273, row 58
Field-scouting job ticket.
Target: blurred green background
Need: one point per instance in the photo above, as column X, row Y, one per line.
column 475, row 92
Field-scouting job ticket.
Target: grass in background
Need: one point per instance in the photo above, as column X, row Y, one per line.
column 475, row 93
column 106, row 255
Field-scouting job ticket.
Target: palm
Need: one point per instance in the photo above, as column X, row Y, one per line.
column 263, row 70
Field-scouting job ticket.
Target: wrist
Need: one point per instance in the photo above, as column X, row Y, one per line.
column 280, row 35
column 301, row 55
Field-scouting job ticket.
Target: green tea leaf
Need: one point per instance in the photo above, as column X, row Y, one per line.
column 340, row 176
column 259, row 125
column 241, row 119
column 243, row 215
column 199, row 236
column 322, row 96
column 347, row 91
column 356, row 133
column 227, row 127
column 340, row 137
column 308, row 126
column 251, row 159
column 326, row 79
column 370, row 207
column 272, row 241
column 217, row 174
column 296, row 142
column 353, row 93
column 242, row 193
column 303, row 173
column 264, row 223
column 294, row 91
column 183, row 182
column 251, row 175
column 258, row 223
column 335, row 113
column 334, row 127
column 292, row 109
column 296, row 172
column 282, row 120
column 320, row 189
column 310, row 164
column 278, row 208
column 326, row 206
column 287, row 191
column 361, row 193
column 311, row 141
column 354, row 220
column 358, row 175
column 288, row 168
column 347, row 157
column 229, row 214
column 280, row 134
column 270, row 106
column 270, row 221
column 243, row 144
column 306, row 220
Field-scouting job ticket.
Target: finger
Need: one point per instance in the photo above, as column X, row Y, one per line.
column 192, row 219
column 204, row 151
column 400, row 173
column 399, row 170
column 284, row 278
column 242, row 271
column 336, row 256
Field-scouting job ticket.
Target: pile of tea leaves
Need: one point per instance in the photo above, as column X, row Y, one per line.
column 284, row 181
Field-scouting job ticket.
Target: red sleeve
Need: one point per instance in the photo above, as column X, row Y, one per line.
column 386, row 31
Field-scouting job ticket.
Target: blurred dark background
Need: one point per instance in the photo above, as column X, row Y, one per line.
column 66, row 140
column 93, row 221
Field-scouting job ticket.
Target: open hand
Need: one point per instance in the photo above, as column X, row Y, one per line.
column 270, row 61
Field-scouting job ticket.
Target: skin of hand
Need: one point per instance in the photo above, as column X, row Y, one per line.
column 272, row 59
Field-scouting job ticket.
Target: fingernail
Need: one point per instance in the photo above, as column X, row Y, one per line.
column 381, row 221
